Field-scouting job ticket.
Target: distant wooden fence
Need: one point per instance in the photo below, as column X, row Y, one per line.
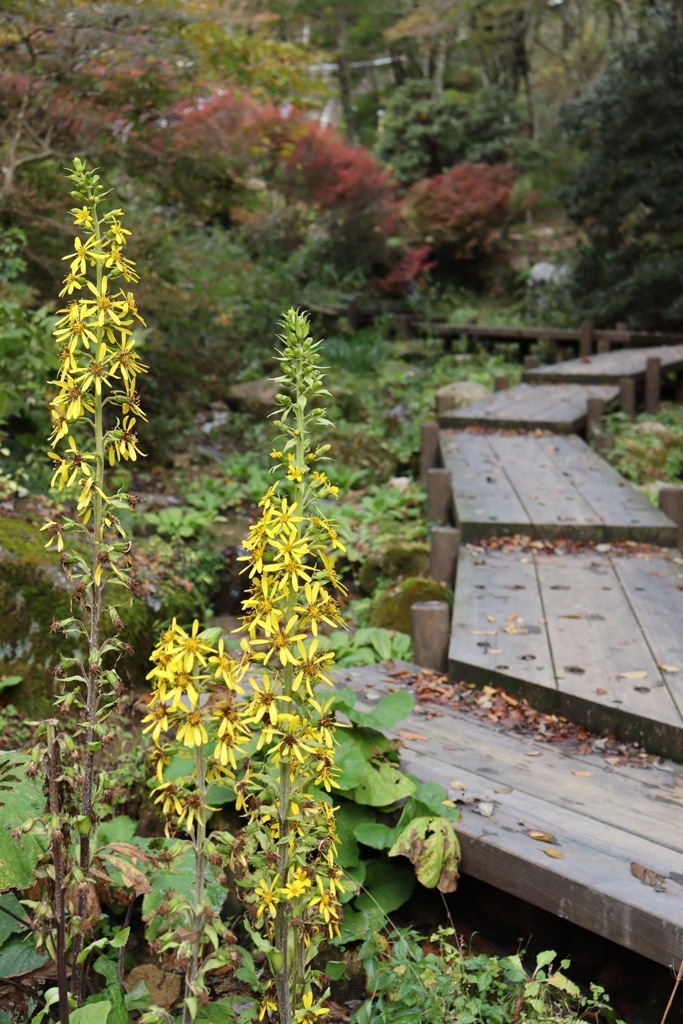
column 582, row 341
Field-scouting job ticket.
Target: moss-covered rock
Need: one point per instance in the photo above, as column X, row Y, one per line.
column 33, row 593
column 393, row 561
column 391, row 607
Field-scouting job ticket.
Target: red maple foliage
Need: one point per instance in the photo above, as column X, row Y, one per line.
column 462, row 211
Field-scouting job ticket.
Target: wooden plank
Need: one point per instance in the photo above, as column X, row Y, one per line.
column 545, row 487
column 498, row 631
column 592, row 884
column 607, row 367
column 482, row 493
column 554, row 407
column 604, row 667
column 549, row 494
column 654, row 589
column 626, row 514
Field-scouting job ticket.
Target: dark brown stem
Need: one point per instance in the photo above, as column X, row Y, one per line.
column 677, row 981
column 57, row 845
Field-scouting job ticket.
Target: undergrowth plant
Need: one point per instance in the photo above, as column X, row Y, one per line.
column 259, row 718
column 94, row 415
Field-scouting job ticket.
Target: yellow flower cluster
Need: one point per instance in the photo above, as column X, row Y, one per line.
column 96, row 407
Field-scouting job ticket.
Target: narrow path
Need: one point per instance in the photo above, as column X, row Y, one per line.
column 565, row 595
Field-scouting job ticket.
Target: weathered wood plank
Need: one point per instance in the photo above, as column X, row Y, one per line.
column 498, row 630
column 545, row 486
column 654, row 589
column 481, row 490
column 607, row 367
column 604, row 667
column 557, row 407
column 601, row 823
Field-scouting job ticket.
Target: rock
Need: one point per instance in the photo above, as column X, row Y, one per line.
column 390, row 608
column 394, row 561
column 254, row 396
column 463, row 392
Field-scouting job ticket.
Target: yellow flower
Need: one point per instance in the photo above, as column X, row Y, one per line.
column 281, row 642
column 158, row 721
column 309, row 1013
column 81, row 256
column 227, row 668
column 192, row 732
column 190, row 648
column 83, row 218
column 268, row 896
column 263, row 703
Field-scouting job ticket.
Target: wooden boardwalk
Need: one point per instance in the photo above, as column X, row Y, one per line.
column 557, row 407
column 607, row 367
column 545, row 486
column 616, row 856
column 593, row 635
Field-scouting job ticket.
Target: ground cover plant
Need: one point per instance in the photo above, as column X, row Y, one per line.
column 232, row 730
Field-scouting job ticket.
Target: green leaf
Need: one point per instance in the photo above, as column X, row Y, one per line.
column 391, row 710
column 119, row 830
column 375, row 835
column 350, row 760
column 8, row 926
column 347, row 817
column 24, row 800
column 7, row 681
column 382, row 786
column 334, row 969
column 432, row 846
column 18, row 956
column 545, row 958
column 428, row 799
column 91, row 1013
column 344, row 699
column 388, row 886
column 219, row 793
column 178, row 876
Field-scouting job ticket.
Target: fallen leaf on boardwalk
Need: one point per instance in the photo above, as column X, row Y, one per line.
column 648, row 877
column 668, row 668
column 406, row 735
column 456, row 785
column 600, row 691
column 541, row 837
column 582, row 774
column 549, row 851
column 485, row 808
column 504, row 789
column 482, row 632
column 532, row 753
column 612, row 760
column 494, row 650
column 515, row 630
column 678, row 782
column 490, row 618
column 632, row 675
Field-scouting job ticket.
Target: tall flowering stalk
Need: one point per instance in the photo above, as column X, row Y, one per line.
column 94, row 415
column 260, row 716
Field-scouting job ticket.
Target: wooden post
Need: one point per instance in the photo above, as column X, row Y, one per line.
column 585, row 339
column 439, row 495
column 429, row 449
column 530, row 362
column 444, row 402
column 444, row 545
column 595, row 408
column 500, row 382
column 653, row 383
column 560, row 354
column 431, row 632
column 627, row 396
column 671, row 503
column 603, row 345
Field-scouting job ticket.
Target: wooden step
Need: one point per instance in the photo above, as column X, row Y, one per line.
column 545, row 486
column 616, row 863
column 607, row 367
column 557, row 407
column 596, row 636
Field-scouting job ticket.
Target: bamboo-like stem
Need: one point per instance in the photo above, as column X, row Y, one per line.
column 677, row 981
column 199, row 843
column 92, row 676
column 57, row 847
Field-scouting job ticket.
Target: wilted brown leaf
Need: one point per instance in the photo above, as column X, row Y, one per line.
column 550, row 851
column 541, row 837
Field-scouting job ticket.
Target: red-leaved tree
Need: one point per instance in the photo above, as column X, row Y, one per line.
column 460, row 214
